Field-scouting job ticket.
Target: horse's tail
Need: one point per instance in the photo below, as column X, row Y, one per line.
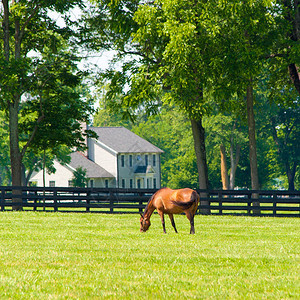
column 186, row 205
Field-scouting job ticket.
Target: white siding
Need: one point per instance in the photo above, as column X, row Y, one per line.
column 61, row 177
column 105, row 159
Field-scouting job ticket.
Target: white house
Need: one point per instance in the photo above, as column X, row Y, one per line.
column 117, row 158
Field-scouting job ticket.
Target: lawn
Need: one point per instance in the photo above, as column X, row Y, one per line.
column 97, row 256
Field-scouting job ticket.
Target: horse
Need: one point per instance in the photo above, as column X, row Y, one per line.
column 168, row 201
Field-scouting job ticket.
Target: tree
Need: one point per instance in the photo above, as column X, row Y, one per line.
column 27, row 27
column 226, row 135
column 162, row 69
column 291, row 30
column 283, row 116
column 5, row 177
column 79, row 178
column 247, row 33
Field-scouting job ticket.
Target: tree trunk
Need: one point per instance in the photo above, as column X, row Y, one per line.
column 252, row 138
column 294, row 75
column 290, row 172
column 13, row 108
column 252, row 145
column 233, row 163
column 293, row 17
column 224, row 170
column 291, row 176
column 199, row 144
column 15, row 155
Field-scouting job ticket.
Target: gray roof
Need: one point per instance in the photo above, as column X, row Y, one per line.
column 92, row 169
column 122, row 140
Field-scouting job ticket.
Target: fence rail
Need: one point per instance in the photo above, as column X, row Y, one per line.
column 101, row 200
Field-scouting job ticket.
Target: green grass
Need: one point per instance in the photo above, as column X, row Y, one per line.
column 92, row 256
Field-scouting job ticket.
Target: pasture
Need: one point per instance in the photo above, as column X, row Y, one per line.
column 98, row 256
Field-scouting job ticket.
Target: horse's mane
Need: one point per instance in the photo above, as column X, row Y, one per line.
column 146, row 208
column 152, row 197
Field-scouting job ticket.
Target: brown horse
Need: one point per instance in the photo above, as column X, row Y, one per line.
column 168, row 201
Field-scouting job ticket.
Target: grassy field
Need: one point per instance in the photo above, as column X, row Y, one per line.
column 92, row 256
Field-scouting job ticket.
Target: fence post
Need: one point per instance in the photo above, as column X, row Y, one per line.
column 249, row 203
column 141, row 203
column 88, row 201
column 35, row 200
column 274, row 204
column 220, row 202
column 55, row 200
column 111, row 202
column 2, row 199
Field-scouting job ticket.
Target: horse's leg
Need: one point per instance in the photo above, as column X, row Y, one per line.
column 192, row 231
column 190, row 216
column 172, row 221
column 162, row 217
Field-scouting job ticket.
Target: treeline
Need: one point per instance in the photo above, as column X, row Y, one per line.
column 217, row 83
column 227, row 144
column 229, row 68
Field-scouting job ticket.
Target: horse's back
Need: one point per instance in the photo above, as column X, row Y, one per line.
column 173, row 200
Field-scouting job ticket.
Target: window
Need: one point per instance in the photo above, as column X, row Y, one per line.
column 52, row 183
column 131, row 183
column 130, row 160
column 122, row 161
column 139, row 183
column 70, row 183
column 91, row 183
column 106, row 183
column 123, row 183
column 154, row 183
column 154, row 160
column 146, row 160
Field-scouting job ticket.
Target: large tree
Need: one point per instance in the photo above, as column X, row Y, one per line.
column 246, row 33
column 39, row 80
column 32, row 68
column 167, row 42
column 289, row 50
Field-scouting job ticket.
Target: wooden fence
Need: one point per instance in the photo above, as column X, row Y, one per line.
column 101, row 200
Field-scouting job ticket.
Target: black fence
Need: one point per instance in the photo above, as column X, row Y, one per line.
column 101, row 200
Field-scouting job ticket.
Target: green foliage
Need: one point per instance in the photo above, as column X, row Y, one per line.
column 227, row 130
column 79, row 178
column 199, row 56
column 102, row 256
column 5, row 177
column 171, row 132
column 40, row 83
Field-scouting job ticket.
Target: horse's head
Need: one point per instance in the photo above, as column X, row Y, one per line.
column 145, row 224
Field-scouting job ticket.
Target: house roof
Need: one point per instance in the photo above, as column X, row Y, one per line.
column 92, row 169
column 122, row 140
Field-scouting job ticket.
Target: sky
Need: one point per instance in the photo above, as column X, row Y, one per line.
column 100, row 60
